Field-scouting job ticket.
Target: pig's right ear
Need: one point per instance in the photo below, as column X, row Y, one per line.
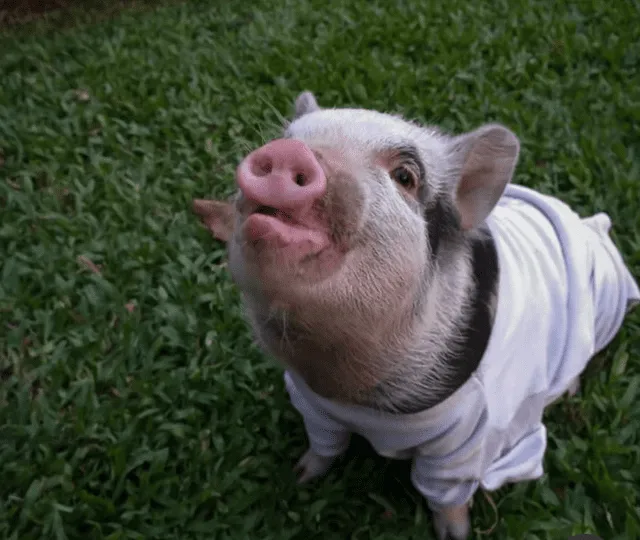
column 217, row 216
column 482, row 163
column 305, row 103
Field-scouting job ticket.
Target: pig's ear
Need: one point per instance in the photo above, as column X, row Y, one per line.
column 305, row 103
column 482, row 162
column 218, row 217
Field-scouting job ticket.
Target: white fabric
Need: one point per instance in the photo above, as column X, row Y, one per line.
column 563, row 294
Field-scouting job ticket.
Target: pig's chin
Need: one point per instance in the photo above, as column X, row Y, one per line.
column 283, row 252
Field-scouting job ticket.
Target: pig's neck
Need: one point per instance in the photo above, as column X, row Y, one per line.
column 451, row 339
column 411, row 364
column 337, row 359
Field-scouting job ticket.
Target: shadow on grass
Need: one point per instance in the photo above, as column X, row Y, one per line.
column 59, row 14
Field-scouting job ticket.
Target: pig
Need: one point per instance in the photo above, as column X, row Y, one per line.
column 416, row 296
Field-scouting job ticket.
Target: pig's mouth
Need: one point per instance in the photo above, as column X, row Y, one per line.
column 299, row 237
column 270, row 211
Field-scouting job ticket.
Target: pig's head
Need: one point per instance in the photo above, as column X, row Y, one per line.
column 347, row 240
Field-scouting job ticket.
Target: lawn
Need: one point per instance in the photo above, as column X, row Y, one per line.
column 133, row 404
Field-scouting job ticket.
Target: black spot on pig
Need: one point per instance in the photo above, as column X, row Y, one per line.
column 443, row 225
column 476, row 331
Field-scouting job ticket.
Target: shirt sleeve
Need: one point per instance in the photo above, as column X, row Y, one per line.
column 327, row 436
column 437, row 487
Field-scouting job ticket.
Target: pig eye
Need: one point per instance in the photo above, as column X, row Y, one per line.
column 403, row 177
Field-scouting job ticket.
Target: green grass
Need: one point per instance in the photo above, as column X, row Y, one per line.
column 133, row 404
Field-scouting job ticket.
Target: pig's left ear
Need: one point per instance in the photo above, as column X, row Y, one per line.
column 305, row 103
column 217, row 216
column 482, row 162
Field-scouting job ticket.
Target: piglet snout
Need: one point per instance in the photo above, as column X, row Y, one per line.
column 283, row 174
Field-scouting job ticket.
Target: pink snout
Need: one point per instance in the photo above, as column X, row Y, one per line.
column 283, row 174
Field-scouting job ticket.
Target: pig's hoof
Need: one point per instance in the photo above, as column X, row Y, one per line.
column 574, row 387
column 452, row 523
column 311, row 466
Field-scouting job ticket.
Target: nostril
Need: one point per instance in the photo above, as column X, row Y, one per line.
column 300, row 179
column 262, row 166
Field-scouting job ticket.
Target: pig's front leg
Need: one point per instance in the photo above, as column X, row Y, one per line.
column 440, row 488
column 328, row 438
column 452, row 523
column 311, row 466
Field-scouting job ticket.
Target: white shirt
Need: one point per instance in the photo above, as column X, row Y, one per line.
column 563, row 294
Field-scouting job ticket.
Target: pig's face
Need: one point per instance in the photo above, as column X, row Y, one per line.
column 360, row 240
column 340, row 230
